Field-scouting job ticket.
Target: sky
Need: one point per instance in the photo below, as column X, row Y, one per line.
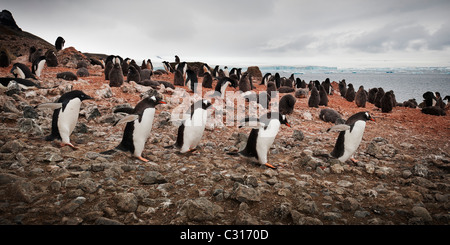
column 343, row 34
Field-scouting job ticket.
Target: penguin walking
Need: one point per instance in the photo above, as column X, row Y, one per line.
column 262, row 137
column 65, row 115
column 38, row 65
column 20, row 70
column 138, row 127
column 191, row 130
column 350, row 136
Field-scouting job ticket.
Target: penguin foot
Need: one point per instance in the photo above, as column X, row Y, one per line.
column 69, row 144
column 192, row 150
column 354, row 160
column 142, row 159
column 270, row 166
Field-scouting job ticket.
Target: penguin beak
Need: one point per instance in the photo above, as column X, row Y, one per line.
column 372, row 119
column 287, row 124
column 88, row 97
column 162, row 102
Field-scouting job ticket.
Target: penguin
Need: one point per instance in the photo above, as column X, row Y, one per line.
column 82, row 72
column 108, row 67
column 125, row 65
column 59, row 43
column 286, row 104
column 342, row 88
column 207, row 80
column 350, row 94
column 181, row 67
column 20, row 70
column 67, row 75
column 350, row 136
column 285, row 89
column 271, row 88
column 244, row 83
column 5, row 61
column 116, row 76
column 178, row 78
column 168, row 67
column 411, row 103
column 23, row 83
column 386, row 102
column 265, row 79
column 38, row 66
column 323, row 96
column 433, row 110
column 429, row 98
column 177, row 59
column 372, row 94
column 330, row 115
column 191, row 130
column 65, row 115
column 361, row 97
column 133, row 74
column 277, row 80
column 38, row 53
column 215, row 71
column 51, row 59
column 191, row 80
column 263, row 98
column 149, row 64
column 222, row 85
column 327, row 86
column 314, row 98
column 225, row 71
column 138, row 127
column 262, row 137
column 166, row 84
column 378, row 96
column 30, row 53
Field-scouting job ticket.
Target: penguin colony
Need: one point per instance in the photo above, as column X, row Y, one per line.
column 139, row 119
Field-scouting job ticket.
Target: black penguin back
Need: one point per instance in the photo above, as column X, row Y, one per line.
column 314, row 98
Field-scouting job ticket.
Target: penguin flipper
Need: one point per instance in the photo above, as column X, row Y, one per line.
column 339, row 128
column 52, row 106
column 127, row 119
column 127, row 110
column 251, row 122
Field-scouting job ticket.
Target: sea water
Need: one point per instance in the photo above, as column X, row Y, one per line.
column 406, row 86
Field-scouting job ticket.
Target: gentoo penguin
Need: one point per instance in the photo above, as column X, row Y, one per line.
column 361, row 97
column 191, row 80
column 372, row 94
column 265, row 79
column 108, row 67
column 314, row 98
column 67, row 75
column 168, row 67
column 116, row 76
column 65, row 115
column 139, row 125
column 178, row 78
column 261, row 138
column 51, row 59
column 23, row 83
column 350, row 136
column 59, row 43
column 342, row 88
column 350, row 94
column 191, row 130
column 20, row 70
column 386, row 102
column 133, row 74
column 330, row 115
column 323, row 96
column 286, row 104
column 244, row 83
column 181, row 67
column 207, row 80
column 5, row 61
column 38, row 66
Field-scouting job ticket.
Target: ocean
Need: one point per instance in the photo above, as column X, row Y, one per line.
column 406, row 85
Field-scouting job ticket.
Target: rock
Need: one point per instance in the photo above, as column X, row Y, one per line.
column 12, row 146
column 298, row 135
column 422, row 213
column 29, row 112
column 254, row 72
column 126, row 202
column 344, row 183
column 244, row 193
column 337, row 168
column 420, row 170
column 28, row 125
column 350, row 204
column 106, row 221
column 200, row 209
column 152, row 177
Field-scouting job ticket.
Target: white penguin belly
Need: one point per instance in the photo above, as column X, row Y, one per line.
column 265, row 140
column 193, row 130
column 352, row 140
column 67, row 119
column 142, row 130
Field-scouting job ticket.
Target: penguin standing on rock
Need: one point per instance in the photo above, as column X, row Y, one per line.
column 261, row 138
column 191, row 130
column 350, row 136
column 138, row 126
column 59, row 43
column 65, row 115
column 20, row 70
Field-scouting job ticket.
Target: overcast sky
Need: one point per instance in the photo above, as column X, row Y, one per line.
column 343, row 33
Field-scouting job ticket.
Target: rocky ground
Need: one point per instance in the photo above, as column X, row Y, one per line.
column 402, row 176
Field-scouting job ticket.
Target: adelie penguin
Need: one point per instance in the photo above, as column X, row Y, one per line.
column 262, row 136
column 350, row 136
column 38, row 66
column 20, row 70
column 65, row 115
column 191, row 130
column 222, row 85
column 138, row 127
column 191, row 80
column 59, row 43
